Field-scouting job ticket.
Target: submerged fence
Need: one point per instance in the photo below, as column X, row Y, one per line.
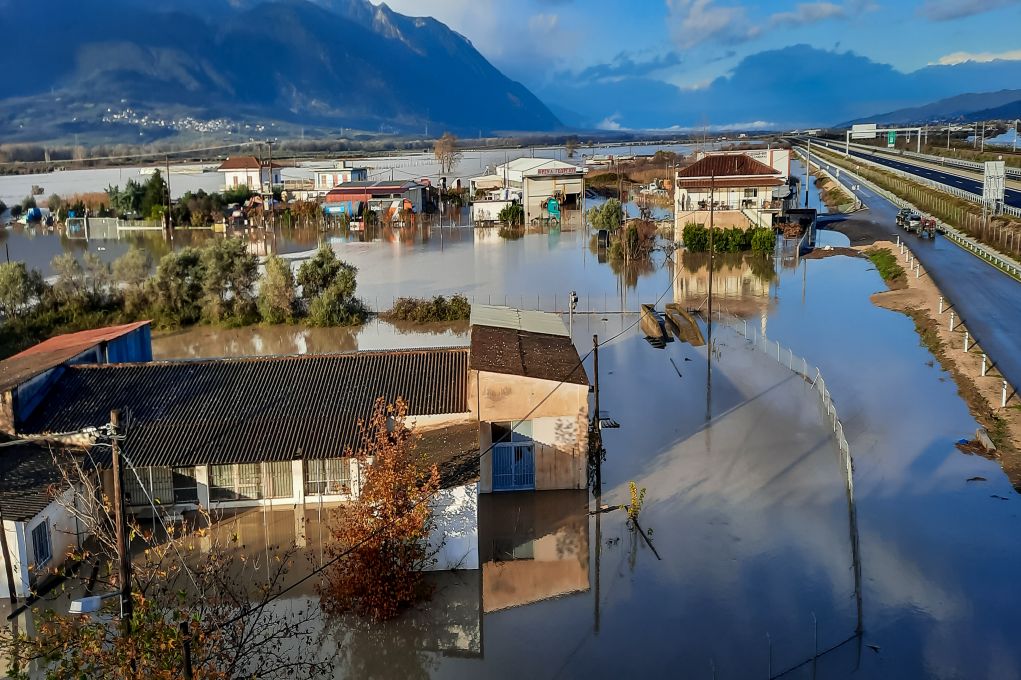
column 812, row 375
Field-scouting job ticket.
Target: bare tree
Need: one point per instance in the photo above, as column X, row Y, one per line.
column 202, row 586
column 446, row 152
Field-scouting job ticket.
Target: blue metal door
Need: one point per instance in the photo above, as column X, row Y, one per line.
column 513, row 467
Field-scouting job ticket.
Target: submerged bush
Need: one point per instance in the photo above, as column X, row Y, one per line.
column 730, row 240
column 439, row 308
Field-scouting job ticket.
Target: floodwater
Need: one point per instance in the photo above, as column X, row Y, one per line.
column 745, row 502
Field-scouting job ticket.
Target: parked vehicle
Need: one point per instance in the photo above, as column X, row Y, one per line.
column 914, row 223
column 902, row 217
column 928, row 227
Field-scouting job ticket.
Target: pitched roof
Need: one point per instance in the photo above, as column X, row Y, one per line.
column 514, row 351
column 29, row 480
column 252, row 409
column 727, row 165
column 55, row 351
column 519, row 319
column 244, row 163
column 454, row 450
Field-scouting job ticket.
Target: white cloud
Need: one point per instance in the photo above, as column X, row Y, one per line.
column 696, row 86
column 610, row 123
column 543, row 23
column 945, row 10
column 698, row 21
column 809, row 13
column 955, row 58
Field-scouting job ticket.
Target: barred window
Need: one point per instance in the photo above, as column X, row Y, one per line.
column 328, row 477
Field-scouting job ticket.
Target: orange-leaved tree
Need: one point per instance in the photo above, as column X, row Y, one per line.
column 381, row 538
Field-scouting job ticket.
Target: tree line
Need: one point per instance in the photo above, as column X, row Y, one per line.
column 218, row 283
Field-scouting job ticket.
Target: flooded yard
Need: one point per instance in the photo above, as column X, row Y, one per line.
column 749, row 572
column 745, row 496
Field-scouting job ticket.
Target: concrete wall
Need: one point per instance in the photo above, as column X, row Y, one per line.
column 559, row 425
column 455, row 536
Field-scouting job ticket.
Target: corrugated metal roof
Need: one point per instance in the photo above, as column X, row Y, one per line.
column 252, row 409
column 29, row 480
column 532, row 355
column 55, row 351
column 518, row 319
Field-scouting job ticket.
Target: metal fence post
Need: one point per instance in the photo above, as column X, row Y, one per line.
column 984, row 367
column 777, row 351
column 951, row 321
column 1003, row 399
column 965, row 340
column 941, row 305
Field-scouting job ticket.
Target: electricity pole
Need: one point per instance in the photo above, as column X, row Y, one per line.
column 123, row 549
column 808, row 163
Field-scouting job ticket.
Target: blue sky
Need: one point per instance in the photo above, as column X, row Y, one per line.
column 689, row 43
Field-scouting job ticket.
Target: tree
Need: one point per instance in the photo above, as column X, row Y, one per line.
column 69, row 287
column 609, row 215
column 3, row 207
column 446, row 152
column 276, row 291
column 384, row 533
column 97, row 275
column 28, row 203
column 54, row 203
column 154, row 198
column 222, row 595
column 228, row 283
column 335, row 308
column 130, row 272
column 316, row 274
column 571, row 146
column 19, row 286
column 176, row 290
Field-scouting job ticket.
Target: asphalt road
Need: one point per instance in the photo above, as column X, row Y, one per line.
column 986, row 299
column 1012, row 197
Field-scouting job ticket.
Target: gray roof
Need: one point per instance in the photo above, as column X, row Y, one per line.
column 30, row 479
column 512, row 351
column 251, row 409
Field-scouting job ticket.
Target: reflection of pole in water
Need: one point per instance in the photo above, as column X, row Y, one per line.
column 709, row 322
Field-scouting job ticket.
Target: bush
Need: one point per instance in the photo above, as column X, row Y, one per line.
column 335, row 308
column 276, row 292
column 176, row 290
column 609, row 215
column 19, row 286
column 316, row 274
column 763, row 241
column 512, row 215
column 439, row 308
column 228, row 283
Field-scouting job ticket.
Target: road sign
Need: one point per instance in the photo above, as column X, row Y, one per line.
column 891, row 139
column 863, row 131
column 993, row 182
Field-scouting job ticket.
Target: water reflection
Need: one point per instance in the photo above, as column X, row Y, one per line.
column 210, row 341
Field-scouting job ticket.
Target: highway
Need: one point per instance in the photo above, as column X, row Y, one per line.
column 984, row 298
column 954, row 178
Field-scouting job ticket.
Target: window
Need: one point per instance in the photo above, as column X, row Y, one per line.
column 157, row 486
column 250, row 481
column 511, row 432
column 41, row 548
column 751, row 193
column 329, row 477
column 186, row 487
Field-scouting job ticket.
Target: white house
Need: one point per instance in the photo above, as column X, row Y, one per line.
column 340, row 173
column 249, row 171
column 532, row 181
column 738, row 188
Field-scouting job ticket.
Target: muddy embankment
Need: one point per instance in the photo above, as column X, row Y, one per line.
column 919, row 298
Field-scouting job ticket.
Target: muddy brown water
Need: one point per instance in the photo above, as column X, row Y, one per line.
column 745, row 495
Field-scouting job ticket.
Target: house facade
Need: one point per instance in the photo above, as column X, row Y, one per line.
column 326, row 179
column 225, row 434
column 249, row 171
column 384, row 197
column 531, row 181
column 738, row 188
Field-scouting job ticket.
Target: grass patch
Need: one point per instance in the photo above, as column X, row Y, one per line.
column 886, row 264
column 424, row 310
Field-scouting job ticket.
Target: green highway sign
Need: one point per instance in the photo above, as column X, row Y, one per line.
column 891, row 139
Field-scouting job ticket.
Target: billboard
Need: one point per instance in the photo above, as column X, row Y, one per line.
column 863, row 131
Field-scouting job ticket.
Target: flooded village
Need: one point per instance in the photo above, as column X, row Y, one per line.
column 784, row 496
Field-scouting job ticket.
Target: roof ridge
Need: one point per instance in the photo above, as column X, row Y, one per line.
column 271, row 357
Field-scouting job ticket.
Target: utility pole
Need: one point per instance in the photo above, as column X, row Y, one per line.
column 170, row 221
column 709, row 320
column 1017, row 128
column 808, row 163
column 123, row 549
column 949, row 128
column 983, row 137
column 595, row 371
column 269, row 201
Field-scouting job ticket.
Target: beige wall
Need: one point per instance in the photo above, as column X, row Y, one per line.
column 559, row 425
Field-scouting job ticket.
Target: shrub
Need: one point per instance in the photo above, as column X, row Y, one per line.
column 512, row 215
column 609, row 215
column 176, row 290
column 276, row 292
column 335, row 308
column 439, row 308
column 18, row 287
column 228, row 282
column 763, row 241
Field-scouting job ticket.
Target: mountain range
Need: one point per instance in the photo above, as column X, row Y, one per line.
column 969, row 107
column 334, row 63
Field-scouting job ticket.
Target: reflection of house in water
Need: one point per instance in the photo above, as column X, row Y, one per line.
column 533, row 547
column 736, row 277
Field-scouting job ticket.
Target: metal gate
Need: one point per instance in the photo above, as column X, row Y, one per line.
column 513, row 466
